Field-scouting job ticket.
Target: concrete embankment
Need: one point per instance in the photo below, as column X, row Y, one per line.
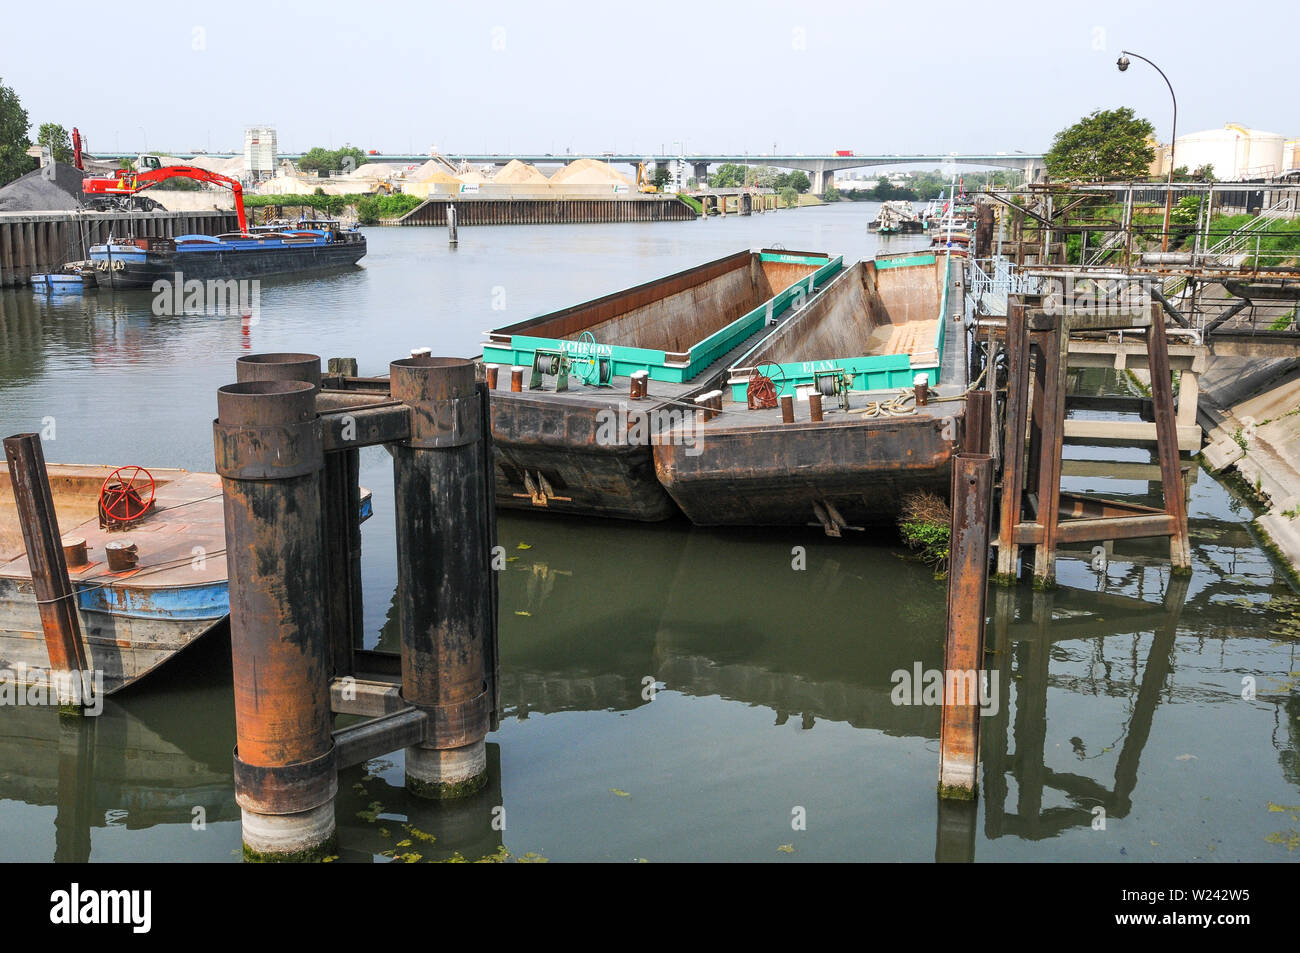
column 1250, row 410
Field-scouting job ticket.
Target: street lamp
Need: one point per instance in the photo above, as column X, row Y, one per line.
column 1122, row 64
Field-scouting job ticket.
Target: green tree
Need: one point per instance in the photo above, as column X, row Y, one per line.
column 789, row 197
column 661, row 176
column 728, row 176
column 832, row 194
column 799, row 181
column 14, row 160
column 1106, row 144
column 56, row 138
column 331, row 160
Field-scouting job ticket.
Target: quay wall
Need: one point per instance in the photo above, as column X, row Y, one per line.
column 548, row 211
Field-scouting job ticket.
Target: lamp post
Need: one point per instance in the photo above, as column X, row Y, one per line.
column 1122, row 63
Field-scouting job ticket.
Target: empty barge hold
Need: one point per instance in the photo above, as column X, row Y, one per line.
column 568, row 435
column 165, row 587
column 859, row 349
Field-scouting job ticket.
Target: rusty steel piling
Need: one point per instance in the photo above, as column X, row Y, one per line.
column 269, row 453
column 55, row 597
column 443, row 573
column 968, row 567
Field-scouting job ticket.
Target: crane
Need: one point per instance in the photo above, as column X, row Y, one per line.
column 125, row 182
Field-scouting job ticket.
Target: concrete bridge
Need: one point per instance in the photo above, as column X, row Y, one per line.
column 821, row 169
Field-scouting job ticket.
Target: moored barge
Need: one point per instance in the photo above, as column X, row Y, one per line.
column 878, row 330
column 310, row 246
column 568, row 437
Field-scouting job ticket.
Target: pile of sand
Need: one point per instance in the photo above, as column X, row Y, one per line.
column 472, row 178
column 515, row 172
column 433, row 172
column 232, row 167
column 589, row 172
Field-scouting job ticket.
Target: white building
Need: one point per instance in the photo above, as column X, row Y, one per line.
column 259, row 153
column 1235, row 151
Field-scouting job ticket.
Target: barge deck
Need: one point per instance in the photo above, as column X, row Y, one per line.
column 853, row 467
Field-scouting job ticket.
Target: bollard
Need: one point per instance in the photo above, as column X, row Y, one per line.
column 269, row 453
column 979, row 409
column 921, row 389
column 451, row 224
column 640, row 382
column 968, row 568
column 443, row 573
column 492, row 372
column 517, row 379
column 815, row 407
column 787, row 408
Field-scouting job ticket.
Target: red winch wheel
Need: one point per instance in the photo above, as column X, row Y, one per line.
column 122, row 498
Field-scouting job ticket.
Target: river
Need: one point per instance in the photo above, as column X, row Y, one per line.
column 673, row 694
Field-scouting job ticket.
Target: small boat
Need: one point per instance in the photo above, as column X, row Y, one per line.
column 313, row 245
column 878, row 330
column 75, row 277
column 132, row 620
column 896, row 217
column 571, row 440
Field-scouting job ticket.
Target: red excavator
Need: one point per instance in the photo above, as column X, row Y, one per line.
column 124, row 185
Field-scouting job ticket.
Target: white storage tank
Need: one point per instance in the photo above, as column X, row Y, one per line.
column 259, row 153
column 1235, row 152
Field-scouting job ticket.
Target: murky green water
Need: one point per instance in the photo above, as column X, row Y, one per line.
column 674, row 694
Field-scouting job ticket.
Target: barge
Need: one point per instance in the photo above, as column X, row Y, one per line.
column 875, row 333
column 135, row 618
column 312, row 245
column 567, row 436
column 248, row 253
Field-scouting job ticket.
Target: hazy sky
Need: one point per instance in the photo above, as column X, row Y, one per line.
column 513, row 77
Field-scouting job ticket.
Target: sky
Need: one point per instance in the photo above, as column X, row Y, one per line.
column 746, row 76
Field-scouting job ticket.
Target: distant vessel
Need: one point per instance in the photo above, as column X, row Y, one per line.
column 895, row 217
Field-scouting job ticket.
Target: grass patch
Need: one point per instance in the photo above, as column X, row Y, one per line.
column 926, row 527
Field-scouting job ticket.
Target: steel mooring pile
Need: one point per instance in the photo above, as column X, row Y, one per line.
column 287, row 451
column 1033, row 509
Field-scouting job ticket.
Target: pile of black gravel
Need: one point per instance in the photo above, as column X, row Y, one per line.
column 34, row 192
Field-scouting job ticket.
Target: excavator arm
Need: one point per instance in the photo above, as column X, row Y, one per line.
column 129, row 183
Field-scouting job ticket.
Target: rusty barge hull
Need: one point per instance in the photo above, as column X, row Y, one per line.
column 769, row 477
column 586, row 450
column 882, row 324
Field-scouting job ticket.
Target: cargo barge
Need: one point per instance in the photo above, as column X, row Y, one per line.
column 877, row 330
column 310, row 246
column 126, row 263
column 568, row 436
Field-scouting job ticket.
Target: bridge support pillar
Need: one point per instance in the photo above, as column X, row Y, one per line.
column 702, row 174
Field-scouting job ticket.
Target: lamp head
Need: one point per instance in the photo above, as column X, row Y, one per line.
column 1122, row 63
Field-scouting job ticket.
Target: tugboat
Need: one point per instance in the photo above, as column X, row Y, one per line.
column 139, row 262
